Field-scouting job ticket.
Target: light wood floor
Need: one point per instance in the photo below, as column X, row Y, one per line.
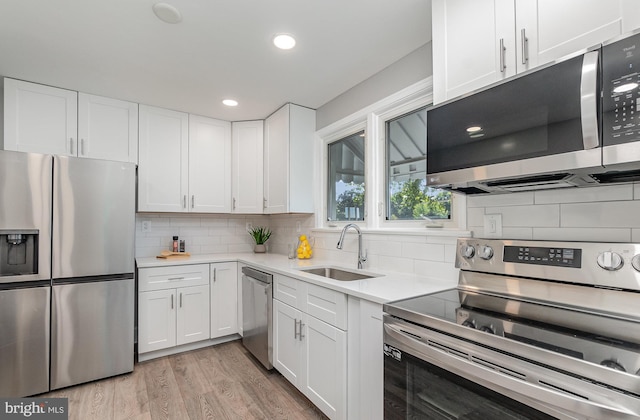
column 220, row 382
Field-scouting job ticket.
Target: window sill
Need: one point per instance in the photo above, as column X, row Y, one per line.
column 442, row 232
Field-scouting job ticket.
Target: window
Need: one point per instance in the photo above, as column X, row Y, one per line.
column 408, row 197
column 345, row 198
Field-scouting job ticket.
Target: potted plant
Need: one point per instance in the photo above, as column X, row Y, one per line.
column 260, row 235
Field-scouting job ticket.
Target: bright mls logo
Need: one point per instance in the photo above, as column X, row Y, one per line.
column 34, row 408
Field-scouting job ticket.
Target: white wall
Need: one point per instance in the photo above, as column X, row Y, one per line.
column 414, row 67
column 608, row 213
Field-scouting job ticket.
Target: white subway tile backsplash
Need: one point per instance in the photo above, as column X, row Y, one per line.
column 388, row 248
column 517, row 233
column 450, row 253
column 602, row 214
column 383, row 262
column 512, row 199
column 582, row 234
column 635, row 235
column 585, row 195
column 180, row 221
column 442, row 270
column 429, row 252
column 528, row 216
column 475, row 216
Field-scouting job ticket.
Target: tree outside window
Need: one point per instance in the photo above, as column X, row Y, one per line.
column 408, row 196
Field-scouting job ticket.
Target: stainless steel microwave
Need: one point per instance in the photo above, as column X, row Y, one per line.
column 569, row 123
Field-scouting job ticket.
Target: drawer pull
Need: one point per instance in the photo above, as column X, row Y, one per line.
column 176, row 278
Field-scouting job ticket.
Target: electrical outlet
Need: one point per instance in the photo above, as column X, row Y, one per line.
column 493, row 225
column 146, row 226
column 249, row 226
column 298, row 227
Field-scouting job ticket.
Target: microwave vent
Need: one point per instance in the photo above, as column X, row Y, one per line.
column 469, row 190
column 617, row 177
column 529, row 181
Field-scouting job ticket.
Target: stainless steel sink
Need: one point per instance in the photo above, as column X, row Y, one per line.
column 338, row 273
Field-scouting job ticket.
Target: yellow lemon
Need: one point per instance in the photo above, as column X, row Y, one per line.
column 303, row 237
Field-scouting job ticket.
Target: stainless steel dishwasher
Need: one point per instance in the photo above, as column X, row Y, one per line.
column 257, row 315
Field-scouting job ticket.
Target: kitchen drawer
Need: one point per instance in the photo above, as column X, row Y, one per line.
column 289, row 291
column 327, row 305
column 161, row 278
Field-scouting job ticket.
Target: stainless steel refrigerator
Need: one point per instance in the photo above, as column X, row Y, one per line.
column 88, row 243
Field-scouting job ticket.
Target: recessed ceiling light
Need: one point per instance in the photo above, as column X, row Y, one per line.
column 167, row 13
column 230, row 102
column 625, row 88
column 284, row 41
column 474, row 129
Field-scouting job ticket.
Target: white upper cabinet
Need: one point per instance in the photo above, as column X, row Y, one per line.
column 476, row 43
column 45, row 119
column 467, row 41
column 288, row 160
column 554, row 29
column 184, row 162
column 163, row 160
column 209, row 165
column 107, row 128
column 40, row 119
column 246, row 166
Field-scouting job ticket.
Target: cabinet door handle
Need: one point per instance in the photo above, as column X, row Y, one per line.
column 181, row 299
column 295, row 329
column 193, row 201
column 214, row 274
column 264, row 203
column 300, row 335
column 82, row 147
column 171, row 301
column 184, row 201
column 503, row 65
column 71, row 145
column 234, row 203
column 525, row 46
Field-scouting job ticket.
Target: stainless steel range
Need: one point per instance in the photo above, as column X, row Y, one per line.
column 535, row 329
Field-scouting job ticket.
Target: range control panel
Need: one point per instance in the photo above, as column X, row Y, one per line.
column 610, row 265
column 559, row 257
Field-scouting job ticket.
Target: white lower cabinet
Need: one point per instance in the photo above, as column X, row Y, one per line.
column 365, row 360
column 310, row 352
column 224, row 299
column 173, row 306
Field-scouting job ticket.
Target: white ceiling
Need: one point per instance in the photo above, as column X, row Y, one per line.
column 222, row 48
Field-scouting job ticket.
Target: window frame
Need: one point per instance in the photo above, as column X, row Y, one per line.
column 372, row 120
column 328, row 175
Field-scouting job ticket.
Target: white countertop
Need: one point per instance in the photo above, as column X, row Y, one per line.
column 389, row 286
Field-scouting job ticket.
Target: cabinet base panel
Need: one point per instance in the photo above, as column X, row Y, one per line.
column 186, row 347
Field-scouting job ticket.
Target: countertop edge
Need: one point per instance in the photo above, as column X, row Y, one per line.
column 388, row 287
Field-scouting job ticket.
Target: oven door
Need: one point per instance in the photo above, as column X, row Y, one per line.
column 436, row 376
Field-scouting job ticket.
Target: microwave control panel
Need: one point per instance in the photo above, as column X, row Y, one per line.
column 621, row 91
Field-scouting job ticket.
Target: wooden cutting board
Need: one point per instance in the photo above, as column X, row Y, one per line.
column 173, row 255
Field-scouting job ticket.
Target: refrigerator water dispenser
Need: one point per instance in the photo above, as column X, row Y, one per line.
column 18, row 252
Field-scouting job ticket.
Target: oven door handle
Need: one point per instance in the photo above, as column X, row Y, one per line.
column 409, row 338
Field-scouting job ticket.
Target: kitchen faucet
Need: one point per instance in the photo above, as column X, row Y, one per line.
column 361, row 257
